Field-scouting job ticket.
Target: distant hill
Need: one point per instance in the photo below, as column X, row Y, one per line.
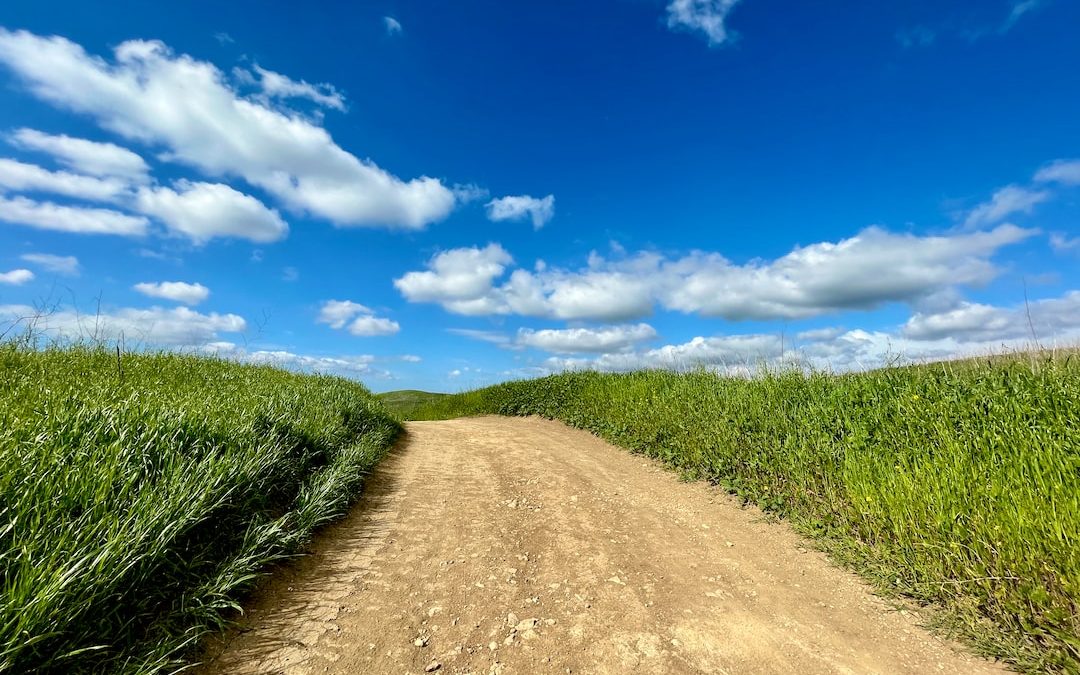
column 403, row 402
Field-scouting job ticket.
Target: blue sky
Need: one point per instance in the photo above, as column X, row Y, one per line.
column 441, row 195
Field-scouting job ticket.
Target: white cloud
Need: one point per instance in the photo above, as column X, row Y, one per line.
column 868, row 270
column 1064, row 171
column 411, row 358
column 492, row 337
column 178, row 291
column 577, row 340
column 290, row 274
column 278, row 86
column 340, row 314
column 968, row 319
column 356, row 365
column 466, row 194
column 456, row 277
column 202, row 211
column 67, row 265
column 16, row 277
column 348, row 366
column 1061, row 243
column 21, row 177
column 1055, row 318
column 336, row 313
column 863, row 272
column 49, row 216
column 704, row 16
column 968, row 329
column 734, row 354
column 104, row 160
column 154, row 326
column 150, row 95
column 819, row 334
column 1004, row 203
column 393, row 26
column 520, row 207
column 370, row 326
column 1017, row 11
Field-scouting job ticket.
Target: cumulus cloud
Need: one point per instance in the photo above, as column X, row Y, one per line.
column 966, row 329
column 358, row 319
column 178, row 291
column 1004, row 203
column 348, row 366
column 863, row 272
column 21, row 177
column 1063, row 171
column 150, row 95
column 819, row 334
column 16, row 277
column 50, row 216
column 277, row 86
column 104, row 160
column 336, row 313
column 393, row 26
column 154, row 326
column 520, row 207
column 203, row 211
column 68, row 265
column 1049, row 318
column 458, row 279
column 578, row 340
column 734, row 354
column 370, row 326
column 707, row 17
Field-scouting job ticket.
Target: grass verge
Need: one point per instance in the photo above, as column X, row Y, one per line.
column 139, row 496
column 957, row 484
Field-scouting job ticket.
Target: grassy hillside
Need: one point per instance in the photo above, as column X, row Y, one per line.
column 137, row 499
column 955, row 484
column 405, row 402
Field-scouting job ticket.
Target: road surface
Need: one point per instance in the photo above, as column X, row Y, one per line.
column 505, row 545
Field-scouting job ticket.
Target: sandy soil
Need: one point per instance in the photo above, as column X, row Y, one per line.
column 501, row 545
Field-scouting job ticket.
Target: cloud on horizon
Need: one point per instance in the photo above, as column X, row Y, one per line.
column 863, row 272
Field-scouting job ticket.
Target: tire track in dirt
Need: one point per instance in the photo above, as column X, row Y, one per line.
column 503, row 545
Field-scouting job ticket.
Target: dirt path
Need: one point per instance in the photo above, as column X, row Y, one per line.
column 498, row 545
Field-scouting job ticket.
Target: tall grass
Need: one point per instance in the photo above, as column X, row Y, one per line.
column 954, row 484
column 139, row 496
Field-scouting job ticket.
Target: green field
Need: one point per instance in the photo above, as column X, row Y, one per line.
column 957, row 484
column 140, row 495
column 406, row 402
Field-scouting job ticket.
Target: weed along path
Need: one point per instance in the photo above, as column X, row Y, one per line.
column 503, row 545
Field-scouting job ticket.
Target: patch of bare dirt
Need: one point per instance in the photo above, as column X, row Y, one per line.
column 503, row 545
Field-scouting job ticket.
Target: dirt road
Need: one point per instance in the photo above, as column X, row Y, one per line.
column 498, row 545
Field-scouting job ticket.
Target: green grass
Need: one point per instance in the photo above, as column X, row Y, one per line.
column 957, row 485
column 135, row 508
column 405, row 402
